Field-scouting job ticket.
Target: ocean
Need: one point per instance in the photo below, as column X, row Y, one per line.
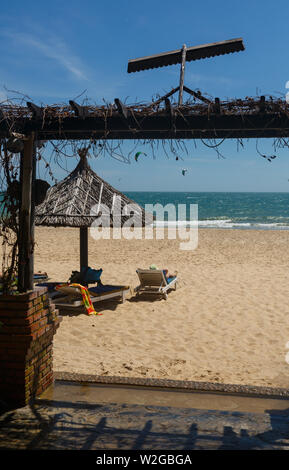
column 266, row 211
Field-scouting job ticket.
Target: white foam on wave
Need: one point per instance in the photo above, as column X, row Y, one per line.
column 219, row 223
column 175, row 223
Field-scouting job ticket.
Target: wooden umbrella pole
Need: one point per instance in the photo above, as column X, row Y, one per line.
column 83, row 247
column 26, row 218
column 182, row 74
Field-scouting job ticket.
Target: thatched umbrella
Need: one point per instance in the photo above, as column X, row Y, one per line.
column 77, row 202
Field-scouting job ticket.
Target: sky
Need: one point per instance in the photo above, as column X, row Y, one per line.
column 60, row 50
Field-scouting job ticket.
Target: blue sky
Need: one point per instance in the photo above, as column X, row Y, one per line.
column 57, row 50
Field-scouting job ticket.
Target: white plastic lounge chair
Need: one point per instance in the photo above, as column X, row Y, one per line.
column 72, row 295
column 154, row 281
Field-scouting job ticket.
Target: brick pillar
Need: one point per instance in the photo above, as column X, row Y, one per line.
column 28, row 323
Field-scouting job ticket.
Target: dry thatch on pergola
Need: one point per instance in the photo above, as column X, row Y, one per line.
column 77, row 201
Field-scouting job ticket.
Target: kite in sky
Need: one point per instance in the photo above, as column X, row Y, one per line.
column 269, row 158
column 138, row 154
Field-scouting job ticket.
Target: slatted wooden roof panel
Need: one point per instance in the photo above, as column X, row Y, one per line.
column 193, row 53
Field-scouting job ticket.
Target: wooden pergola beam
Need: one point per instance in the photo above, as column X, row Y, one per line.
column 36, row 110
column 163, row 98
column 80, row 111
column 155, row 126
column 213, row 119
column 196, row 94
column 121, row 108
column 217, row 106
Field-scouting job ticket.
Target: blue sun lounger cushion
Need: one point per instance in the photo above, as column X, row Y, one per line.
column 90, row 275
column 170, row 279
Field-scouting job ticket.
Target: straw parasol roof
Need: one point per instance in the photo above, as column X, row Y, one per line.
column 81, row 198
column 77, row 201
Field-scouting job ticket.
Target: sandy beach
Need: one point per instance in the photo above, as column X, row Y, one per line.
column 226, row 322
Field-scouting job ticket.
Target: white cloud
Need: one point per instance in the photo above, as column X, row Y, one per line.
column 38, row 44
column 53, row 48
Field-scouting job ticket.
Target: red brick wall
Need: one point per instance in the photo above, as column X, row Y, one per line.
column 28, row 324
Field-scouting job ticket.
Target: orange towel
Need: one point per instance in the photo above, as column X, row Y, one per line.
column 86, row 299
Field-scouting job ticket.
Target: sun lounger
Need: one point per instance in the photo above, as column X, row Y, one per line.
column 51, row 288
column 71, row 296
column 154, row 281
column 14, row 282
column 40, row 277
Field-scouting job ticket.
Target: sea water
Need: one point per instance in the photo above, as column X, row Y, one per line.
column 240, row 210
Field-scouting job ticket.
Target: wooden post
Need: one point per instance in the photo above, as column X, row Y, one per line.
column 262, row 104
column 182, row 74
column 26, row 217
column 29, row 275
column 83, row 247
column 217, row 107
